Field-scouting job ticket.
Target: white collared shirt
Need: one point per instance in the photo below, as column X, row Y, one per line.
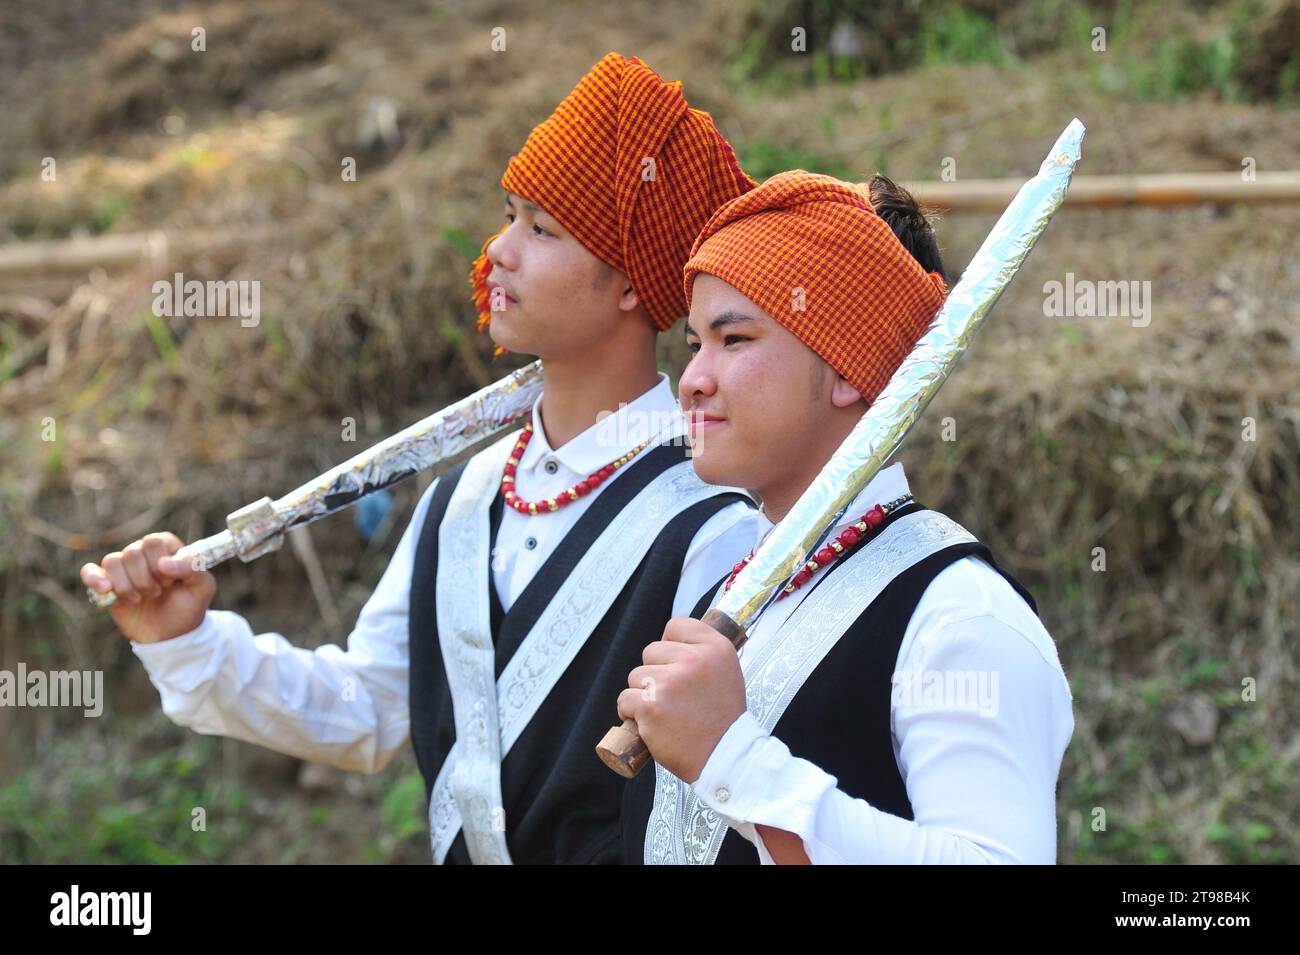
column 982, row 785
column 350, row 707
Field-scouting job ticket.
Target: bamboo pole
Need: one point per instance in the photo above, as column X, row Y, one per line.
column 1175, row 189
column 108, row 251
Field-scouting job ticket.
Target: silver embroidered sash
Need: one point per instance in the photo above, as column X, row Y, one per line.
column 467, row 791
column 468, row 655
column 680, row 830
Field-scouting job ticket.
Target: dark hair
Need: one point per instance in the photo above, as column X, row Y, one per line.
column 899, row 208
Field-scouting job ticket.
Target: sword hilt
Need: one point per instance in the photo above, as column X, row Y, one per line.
column 253, row 530
column 622, row 749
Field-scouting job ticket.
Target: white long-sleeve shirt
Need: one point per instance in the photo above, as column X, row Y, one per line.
column 980, row 773
column 350, row 707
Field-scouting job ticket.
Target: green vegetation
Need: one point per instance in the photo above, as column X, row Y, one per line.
column 154, row 793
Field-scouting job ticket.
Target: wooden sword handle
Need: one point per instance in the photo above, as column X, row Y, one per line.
column 622, row 749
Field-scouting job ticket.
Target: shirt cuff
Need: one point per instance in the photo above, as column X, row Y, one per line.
column 751, row 778
column 183, row 660
column 716, row 786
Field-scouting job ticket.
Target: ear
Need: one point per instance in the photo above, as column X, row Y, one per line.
column 627, row 302
column 843, row 394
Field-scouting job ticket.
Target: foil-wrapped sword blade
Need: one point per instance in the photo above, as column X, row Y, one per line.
column 883, row 427
column 259, row 528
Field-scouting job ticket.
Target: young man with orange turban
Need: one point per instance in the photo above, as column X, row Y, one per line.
column 521, row 591
column 900, row 702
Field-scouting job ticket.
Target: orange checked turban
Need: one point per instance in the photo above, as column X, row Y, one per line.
column 812, row 253
column 633, row 172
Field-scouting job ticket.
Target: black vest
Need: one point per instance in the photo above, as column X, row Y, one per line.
column 561, row 802
column 851, row 686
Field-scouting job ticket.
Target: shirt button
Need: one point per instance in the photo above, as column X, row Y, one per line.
column 531, row 543
column 722, row 794
column 551, row 467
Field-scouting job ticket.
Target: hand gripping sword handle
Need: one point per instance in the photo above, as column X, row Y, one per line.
column 622, row 749
column 253, row 530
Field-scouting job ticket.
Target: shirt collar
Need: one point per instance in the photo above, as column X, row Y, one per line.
column 654, row 413
column 888, row 484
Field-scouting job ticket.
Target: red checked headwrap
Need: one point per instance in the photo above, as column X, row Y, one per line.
column 812, row 253
column 633, row 172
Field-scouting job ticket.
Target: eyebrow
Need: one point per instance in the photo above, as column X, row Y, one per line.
column 728, row 317
column 527, row 204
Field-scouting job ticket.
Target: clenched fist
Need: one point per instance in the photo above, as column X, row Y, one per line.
column 685, row 696
column 158, row 596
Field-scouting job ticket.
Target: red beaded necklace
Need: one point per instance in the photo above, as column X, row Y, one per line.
column 840, row 545
column 585, row 486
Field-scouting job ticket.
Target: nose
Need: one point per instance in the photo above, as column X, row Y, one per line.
column 698, row 380
column 501, row 250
